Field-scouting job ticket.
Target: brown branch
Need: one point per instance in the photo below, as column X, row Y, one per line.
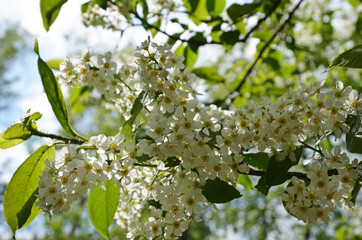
column 250, row 69
column 260, row 21
column 300, row 175
column 35, row 132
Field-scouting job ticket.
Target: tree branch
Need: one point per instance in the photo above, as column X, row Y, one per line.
column 35, row 132
column 260, row 21
column 176, row 38
column 250, row 69
column 300, row 175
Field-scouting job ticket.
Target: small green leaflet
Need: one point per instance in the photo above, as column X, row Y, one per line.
column 237, row 11
column 351, row 58
column 259, row 160
column 18, row 132
column 49, row 11
column 54, row 93
column 229, row 38
column 102, row 205
column 218, row 191
column 136, row 109
column 54, row 63
column 215, row 7
column 76, row 98
column 277, row 172
column 354, row 136
column 210, row 74
column 197, row 10
column 244, row 180
column 19, row 209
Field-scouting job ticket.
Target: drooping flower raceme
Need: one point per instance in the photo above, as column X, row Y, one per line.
column 188, row 143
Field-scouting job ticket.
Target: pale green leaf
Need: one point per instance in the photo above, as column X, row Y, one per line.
column 245, row 181
column 49, row 11
column 210, row 74
column 14, row 135
column 197, row 10
column 102, row 205
column 215, row 7
column 54, row 63
column 18, row 132
column 22, row 186
column 190, row 56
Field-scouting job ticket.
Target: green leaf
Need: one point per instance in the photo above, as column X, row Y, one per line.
column 155, row 203
column 197, row 10
column 354, row 136
column 245, row 181
column 49, row 11
column 54, row 63
column 351, row 58
column 76, row 96
column 102, row 205
column 229, row 38
column 180, row 50
column 215, row 7
column 84, row 7
column 136, row 109
column 210, row 74
column 218, row 191
column 22, row 186
column 259, row 160
column 54, row 94
column 18, row 132
column 355, row 191
column 237, row 11
column 354, row 3
column 101, row 3
column 24, row 214
column 190, row 56
column 14, row 135
column 277, row 172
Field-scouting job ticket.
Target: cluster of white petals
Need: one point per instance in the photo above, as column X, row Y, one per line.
column 178, row 144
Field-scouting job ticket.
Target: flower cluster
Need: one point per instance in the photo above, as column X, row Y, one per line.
column 323, row 192
column 187, row 143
